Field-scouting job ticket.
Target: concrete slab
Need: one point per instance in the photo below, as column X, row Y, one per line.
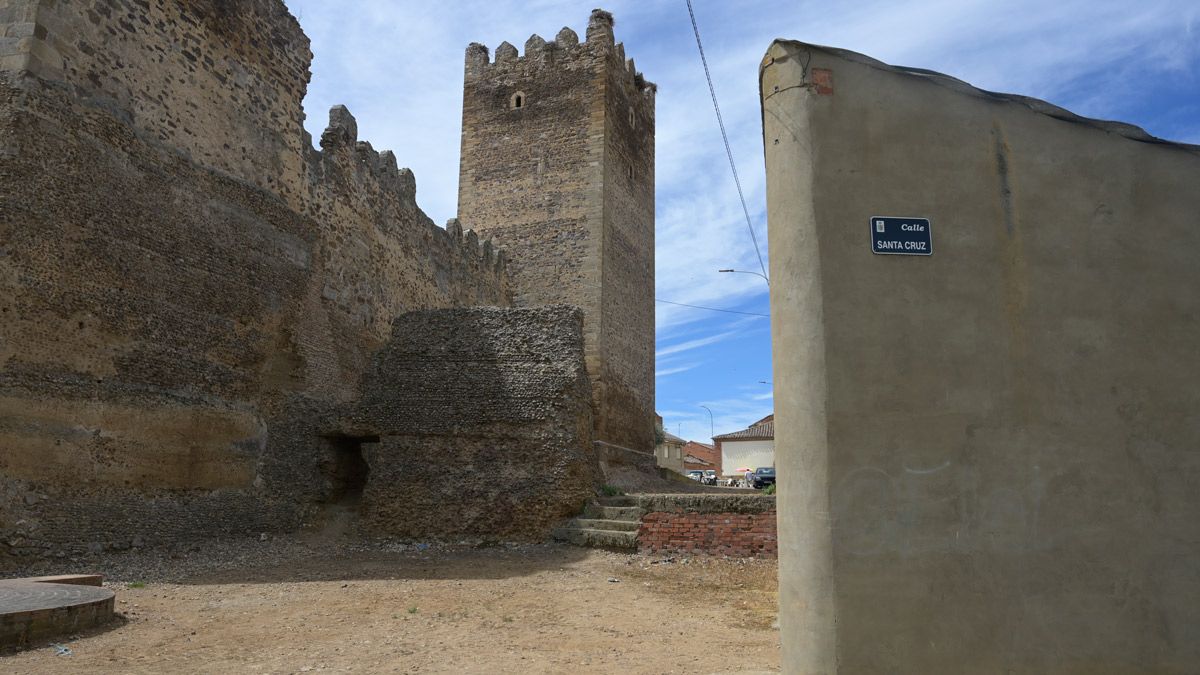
column 31, row 610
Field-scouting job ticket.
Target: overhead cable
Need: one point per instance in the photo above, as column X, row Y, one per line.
column 725, row 137
column 712, row 309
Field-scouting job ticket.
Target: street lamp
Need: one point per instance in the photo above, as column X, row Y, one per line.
column 764, row 277
column 711, row 430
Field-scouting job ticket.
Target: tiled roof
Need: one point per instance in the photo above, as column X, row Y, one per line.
column 764, row 431
column 669, row 437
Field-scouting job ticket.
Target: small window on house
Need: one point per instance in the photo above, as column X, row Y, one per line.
column 632, row 118
column 517, row 100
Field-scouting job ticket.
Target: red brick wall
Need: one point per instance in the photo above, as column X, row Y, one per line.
column 740, row 535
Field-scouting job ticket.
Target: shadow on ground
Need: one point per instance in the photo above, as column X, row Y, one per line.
column 496, row 562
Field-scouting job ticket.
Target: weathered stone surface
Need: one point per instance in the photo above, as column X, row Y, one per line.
column 558, row 167
column 484, row 424
column 189, row 292
column 207, row 325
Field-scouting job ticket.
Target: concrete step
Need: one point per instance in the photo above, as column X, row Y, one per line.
column 613, row 512
column 612, row 525
column 596, row 538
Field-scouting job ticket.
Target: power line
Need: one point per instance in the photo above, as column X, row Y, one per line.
column 725, row 137
column 712, row 309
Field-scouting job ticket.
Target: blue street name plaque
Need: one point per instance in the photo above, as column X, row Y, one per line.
column 901, row 236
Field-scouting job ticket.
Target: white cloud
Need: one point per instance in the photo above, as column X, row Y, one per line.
column 398, row 66
column 663, row 372
column 694, row 344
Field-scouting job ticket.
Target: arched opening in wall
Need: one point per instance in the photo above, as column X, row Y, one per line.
column 346, row 468
column 517, row 101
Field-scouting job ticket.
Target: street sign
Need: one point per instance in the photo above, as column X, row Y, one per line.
column 901, row 236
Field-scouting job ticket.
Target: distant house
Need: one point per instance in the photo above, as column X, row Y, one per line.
column 669, row 453
column 701, row 456
column 749, row 448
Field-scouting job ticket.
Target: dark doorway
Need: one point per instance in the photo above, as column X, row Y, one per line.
column 346, row 468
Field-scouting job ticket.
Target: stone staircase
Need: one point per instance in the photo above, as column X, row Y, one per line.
column 607, row 522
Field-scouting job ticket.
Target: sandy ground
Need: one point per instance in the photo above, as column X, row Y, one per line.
column 529, row 609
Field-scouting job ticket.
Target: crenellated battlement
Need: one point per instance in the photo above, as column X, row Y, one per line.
column 222, row 84
column 349, row 181
column 342, row 155
column 219, row 85
column 558, row 165
column 564, row 53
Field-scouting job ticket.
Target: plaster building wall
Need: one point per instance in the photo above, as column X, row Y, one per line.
column 746, row 454
column 190, row 292
column 988, row 455
column 558, row 166
column 669, row 453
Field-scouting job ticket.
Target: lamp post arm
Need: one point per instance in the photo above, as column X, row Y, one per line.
column 762, row 276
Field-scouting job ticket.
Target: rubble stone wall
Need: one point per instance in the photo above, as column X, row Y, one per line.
column 483, row 418
column 558, row 166
column 219, row 81
column 189, row 292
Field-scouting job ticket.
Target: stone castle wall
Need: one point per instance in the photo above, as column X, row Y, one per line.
column 565, row 180
column 190, row 292
column 219, row 81
column 627, row 255
column 483, row 421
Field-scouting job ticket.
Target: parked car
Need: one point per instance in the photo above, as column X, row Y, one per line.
column 695, row 474
column 762, row 477
column 709, row 477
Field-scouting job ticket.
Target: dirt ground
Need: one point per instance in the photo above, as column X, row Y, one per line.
column 528, row 609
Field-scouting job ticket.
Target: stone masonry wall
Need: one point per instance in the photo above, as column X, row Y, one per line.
column 483, row 422
column 220, row 81
column 565, row 180
column 178, row 328
column 627, row 255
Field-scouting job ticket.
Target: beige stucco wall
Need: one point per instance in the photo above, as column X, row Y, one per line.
column 669, row 455
column 749, row 454
column 993, row 453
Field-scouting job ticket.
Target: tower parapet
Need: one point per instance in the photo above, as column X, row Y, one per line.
column 558, row 166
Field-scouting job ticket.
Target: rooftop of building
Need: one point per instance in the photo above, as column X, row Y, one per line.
column 761, row 430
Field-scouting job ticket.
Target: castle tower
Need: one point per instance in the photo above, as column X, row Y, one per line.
column 558, row 167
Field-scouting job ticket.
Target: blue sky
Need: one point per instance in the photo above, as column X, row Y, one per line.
column 397, row 64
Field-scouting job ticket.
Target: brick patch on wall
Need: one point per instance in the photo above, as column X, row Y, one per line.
column 741, row 535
